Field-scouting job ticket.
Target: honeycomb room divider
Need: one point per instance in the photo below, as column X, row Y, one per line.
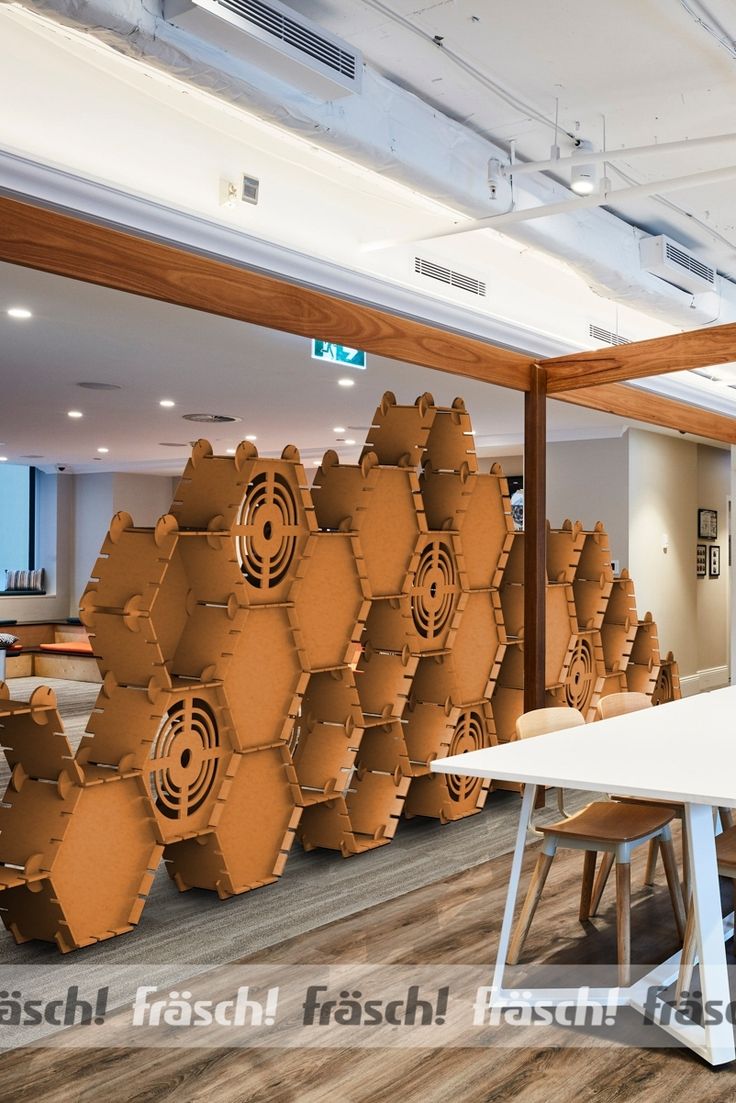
column 281, row 660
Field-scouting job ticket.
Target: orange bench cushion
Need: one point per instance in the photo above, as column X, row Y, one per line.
column 83, row 648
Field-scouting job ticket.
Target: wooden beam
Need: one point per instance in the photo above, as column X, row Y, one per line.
column 698, row 348
column 640, row 405
column 39, row 238
column 535, row 540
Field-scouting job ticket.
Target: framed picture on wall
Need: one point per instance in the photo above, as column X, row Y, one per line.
column 714, row 561
column 701, row 560
column 707, row 524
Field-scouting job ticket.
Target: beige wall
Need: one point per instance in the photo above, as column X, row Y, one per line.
column 663, row 494
column 587, row 480
column 714, row 488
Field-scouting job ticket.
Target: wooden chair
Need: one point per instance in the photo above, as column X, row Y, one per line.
column 619, row 704
column 605, row 826
column 726, row 858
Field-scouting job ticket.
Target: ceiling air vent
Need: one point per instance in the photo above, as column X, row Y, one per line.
column 275, row 38
column 663, row 257
column 446, row 275
column 605, row 336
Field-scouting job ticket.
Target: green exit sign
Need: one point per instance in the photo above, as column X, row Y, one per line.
column 338, row 354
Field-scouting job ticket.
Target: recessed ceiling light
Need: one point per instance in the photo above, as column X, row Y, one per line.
column 251, row 436
column 339, row 429
column 230, row 451
column 167, row 402
column 346, row 382
column 350, row 442
column 19, row 312
column 103, row 450
column 316, row 463
column 74, row 413
column 3, row 459
column 93, row 386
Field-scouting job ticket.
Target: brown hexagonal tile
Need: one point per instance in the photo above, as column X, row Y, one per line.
column 250, row 844
column 327, row 602
column 383, row 506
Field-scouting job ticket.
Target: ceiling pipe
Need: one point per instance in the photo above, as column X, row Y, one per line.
column 594, row 156
column 569, row 206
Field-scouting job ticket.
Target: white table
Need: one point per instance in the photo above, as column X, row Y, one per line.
column 684, row 752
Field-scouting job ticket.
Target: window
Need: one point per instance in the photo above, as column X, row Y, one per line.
column 17, row 519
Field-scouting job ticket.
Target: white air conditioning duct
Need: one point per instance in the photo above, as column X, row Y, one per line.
column 272, row 35
column 670, row 261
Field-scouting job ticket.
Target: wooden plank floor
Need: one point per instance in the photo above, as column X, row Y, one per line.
column 453, row 921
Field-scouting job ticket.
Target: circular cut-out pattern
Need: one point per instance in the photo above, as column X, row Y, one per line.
column 664, row 690
column 434, row 594
column 184, row 758
column 581, row 678
column 470, row 735
column 267, row 530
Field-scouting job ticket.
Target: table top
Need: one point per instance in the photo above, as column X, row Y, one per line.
column 684, row 751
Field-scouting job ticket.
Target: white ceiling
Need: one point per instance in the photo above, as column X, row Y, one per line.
column 648, row 66
column 654, row 72
column 206, row 364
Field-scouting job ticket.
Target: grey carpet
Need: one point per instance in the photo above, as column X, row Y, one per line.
column 315, row 889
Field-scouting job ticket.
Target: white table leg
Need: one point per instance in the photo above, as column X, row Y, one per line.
column 527, row 807
column 709, row 930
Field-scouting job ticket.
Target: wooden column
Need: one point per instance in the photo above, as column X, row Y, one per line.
column 535, row 538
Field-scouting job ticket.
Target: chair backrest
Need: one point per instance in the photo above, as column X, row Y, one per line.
column 618, row 704
column 542, row 721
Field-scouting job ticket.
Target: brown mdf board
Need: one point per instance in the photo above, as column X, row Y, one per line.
column 250, row 842
column 585, row 675
column 564, row 547
column 449, row 797
column 367, row 817
column 398, row 434
column 620, row 623
column 593, row 580
column 327, row 735
column 477, row 506
column 257, row 682
column 667, row 687
column 467, row 671
column 383, row 506
column 642, row 670
column 384, row 680
column 328, row 603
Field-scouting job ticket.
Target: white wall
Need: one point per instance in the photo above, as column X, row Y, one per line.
column 587, row 480
column 97, row 499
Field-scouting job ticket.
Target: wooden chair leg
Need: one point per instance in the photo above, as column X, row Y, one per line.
column 623, row 921
column 685, row 862
column 600, row 883
column 586, row 892
column 651, row 863
column 673, row 880
column 536, row 885
column 687, row 961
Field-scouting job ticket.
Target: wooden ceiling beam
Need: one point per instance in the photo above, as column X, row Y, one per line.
column 640, row 405
column 698, row 348
column 37, row 237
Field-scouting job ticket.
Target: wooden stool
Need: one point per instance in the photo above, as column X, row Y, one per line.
column 612, row 828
